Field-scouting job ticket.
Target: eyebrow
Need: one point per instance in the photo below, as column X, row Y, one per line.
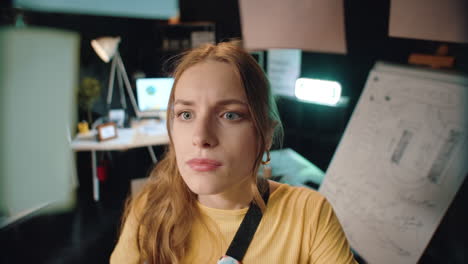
column 222, row 102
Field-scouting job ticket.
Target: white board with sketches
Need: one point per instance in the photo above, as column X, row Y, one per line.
column 400, row 162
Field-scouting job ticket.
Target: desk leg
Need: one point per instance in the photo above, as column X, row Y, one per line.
column 153, row 156
column 95, row 178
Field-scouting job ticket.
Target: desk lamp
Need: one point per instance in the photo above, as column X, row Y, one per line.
column 107, row 49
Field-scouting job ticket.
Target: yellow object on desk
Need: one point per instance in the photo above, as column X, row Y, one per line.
column 83, row 127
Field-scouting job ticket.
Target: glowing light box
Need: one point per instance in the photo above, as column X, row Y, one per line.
column 318, row 91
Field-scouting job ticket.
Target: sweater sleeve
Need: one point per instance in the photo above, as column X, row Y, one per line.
column 329, row 243
column 126, row 251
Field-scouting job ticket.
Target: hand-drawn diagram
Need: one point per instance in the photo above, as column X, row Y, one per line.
column 399, row 164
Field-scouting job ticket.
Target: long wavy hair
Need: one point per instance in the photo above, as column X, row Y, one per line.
column 169, row 206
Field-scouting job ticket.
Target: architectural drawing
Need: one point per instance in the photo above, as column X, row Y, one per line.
column 400, row 163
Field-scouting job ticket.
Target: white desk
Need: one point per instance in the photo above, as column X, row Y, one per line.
column 143, row 134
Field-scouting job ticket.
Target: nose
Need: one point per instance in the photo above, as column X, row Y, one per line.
column 204, row 134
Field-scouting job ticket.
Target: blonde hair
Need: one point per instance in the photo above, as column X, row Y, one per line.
column 169, row 210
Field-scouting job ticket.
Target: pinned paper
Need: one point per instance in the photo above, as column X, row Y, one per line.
column 429, row 20
column 284, row 67
column 310, row 25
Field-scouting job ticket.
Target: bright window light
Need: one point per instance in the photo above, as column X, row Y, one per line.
column 318, row 91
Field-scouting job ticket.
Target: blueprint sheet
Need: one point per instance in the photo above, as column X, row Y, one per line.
column 401, row 160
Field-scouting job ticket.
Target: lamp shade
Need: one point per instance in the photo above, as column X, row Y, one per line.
column 105, row 47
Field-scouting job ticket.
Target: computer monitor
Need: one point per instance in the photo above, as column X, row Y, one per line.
column 153, row 95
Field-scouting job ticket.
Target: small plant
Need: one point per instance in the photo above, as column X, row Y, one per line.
column 88, row 92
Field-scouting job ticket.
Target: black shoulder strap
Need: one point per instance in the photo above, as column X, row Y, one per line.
column 247, row 228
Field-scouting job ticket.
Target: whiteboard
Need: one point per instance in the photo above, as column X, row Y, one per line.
column 400, row 162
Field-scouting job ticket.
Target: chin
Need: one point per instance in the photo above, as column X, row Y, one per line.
column 205, row 189
column 205, row 185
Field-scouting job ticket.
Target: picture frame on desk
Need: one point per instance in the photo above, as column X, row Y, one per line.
column 106, row 131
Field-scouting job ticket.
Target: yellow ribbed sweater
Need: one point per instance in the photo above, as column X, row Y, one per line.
column 299, row 226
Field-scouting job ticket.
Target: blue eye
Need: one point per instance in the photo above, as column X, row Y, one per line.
column 231, row 116
column 185, row 115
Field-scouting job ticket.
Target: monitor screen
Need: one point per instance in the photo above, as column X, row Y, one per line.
column 153, row 93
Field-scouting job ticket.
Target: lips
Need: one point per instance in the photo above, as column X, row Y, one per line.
column 204, row 164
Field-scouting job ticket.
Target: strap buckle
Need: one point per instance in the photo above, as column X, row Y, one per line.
column 228, row 260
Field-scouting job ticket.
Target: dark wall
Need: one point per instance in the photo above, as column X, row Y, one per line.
column 224, row 13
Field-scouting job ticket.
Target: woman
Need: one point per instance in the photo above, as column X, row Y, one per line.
column 221, row 120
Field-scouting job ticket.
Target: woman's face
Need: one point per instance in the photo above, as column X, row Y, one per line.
column 213, row 134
